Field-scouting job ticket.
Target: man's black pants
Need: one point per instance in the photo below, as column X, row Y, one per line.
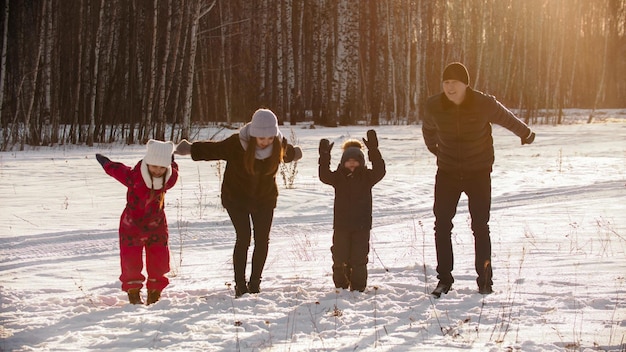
column 448, row 189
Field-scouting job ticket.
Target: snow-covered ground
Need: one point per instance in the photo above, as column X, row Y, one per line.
column 558, row 226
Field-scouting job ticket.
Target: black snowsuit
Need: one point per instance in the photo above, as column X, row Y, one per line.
column 352, row 220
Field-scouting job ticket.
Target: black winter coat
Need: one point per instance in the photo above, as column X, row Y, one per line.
column 240, row 189
column 353, row 192
column 460, row 135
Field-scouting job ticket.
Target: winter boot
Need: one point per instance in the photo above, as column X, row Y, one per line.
column 442, row 287
column 153, row 296
column 485, row 281
column 134, row 296
column 341, row 275
column 358, row 277
column 241, row 289
column 254, row 286
column 485, row 289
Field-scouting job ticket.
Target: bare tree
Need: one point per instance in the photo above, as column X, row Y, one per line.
column 198, row 10
column 601, row 86
column 71, row 72
column 160, row 110
column 3, row 67
column 30, row 127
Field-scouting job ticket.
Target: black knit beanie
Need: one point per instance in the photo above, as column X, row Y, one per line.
column 456, row 71
column 353, row 153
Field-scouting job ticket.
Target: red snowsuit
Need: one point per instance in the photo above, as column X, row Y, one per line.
column 143, row 224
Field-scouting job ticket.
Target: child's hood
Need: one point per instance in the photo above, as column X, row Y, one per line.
column 155, row 183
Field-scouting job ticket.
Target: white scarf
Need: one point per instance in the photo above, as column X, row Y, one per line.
column 260, row 154
column 154, row 182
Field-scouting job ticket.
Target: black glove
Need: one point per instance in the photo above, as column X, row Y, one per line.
column 372, row 141
column 325, row 147
column 103, row 160
column 529, row 139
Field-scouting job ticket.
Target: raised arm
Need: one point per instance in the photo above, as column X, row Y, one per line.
column 325, row 175
column 378, row 164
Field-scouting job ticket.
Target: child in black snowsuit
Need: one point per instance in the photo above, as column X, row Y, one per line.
column 352, row 220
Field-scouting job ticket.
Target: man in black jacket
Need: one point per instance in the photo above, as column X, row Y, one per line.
column 457, row 129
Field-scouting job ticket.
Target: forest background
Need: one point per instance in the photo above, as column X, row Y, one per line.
column 94, row 71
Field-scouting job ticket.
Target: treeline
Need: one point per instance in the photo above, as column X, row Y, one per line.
column 87, row 71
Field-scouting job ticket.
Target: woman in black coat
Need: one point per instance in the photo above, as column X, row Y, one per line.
column 249, row 188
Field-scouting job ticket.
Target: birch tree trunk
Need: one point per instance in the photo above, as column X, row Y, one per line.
column 297, row 24
column 197, row 13
column 176, row 69
column 160, row 111
column 392, row 63
column 30, row 129
column 417, row 79
column 283, row 61
column 47, row 78
column 151, row 77
column 481, row 49
column 224, row 68
column 139, row 83
column 407, row 55
column 574, row 57
column 132, row 74
column 559, row 96
column 373, row 58
column 77, row 89
column 188, row 81
column 95, row 76
column 600, row 91
column 346, row 55
column 3, row 69
column 107, row 76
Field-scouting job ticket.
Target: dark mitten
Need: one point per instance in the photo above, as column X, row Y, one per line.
column 290, row 152
column 433, row 150
column 374, row 154
column 103, row 160
column 529, row 139
column 183, row 148
column 372, row 140
column 297, row 153
column 325, row 147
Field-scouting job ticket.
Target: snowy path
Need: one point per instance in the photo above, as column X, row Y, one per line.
column 558, row 234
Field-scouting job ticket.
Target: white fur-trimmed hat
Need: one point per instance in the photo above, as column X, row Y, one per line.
column 264, row 124
column 159, row 153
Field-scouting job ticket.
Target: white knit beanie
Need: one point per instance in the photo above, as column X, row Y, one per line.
column 264, row 124
column 159, row 153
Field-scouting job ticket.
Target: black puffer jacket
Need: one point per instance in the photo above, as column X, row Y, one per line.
column 240, row 189
column 460, row 135
column 353, row 191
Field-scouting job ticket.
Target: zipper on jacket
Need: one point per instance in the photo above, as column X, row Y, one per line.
column 458, row 136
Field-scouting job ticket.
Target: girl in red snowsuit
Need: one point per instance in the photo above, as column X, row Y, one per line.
column 143, row 223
